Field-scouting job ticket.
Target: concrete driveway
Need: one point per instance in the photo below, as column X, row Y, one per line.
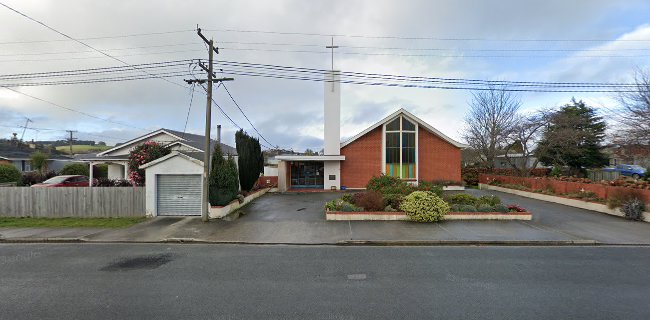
column 298, row 218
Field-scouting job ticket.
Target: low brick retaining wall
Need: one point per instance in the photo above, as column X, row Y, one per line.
column 562, row 187
column 401, row 216
column 598, row 207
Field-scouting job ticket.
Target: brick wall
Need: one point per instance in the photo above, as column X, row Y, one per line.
column 563, row 187
column 267, row 181
column 362, row 160
column 438, row 159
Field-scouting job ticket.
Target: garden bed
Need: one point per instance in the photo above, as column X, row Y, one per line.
column 401, row 216
column 389, row 198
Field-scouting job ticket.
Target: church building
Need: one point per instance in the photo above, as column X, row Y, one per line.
column 400, row 145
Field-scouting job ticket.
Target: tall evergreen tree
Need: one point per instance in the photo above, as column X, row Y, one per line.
column 250, row 159
column 574, row 138
column 224, row 180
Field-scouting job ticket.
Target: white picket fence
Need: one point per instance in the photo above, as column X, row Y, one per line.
column 80, row 202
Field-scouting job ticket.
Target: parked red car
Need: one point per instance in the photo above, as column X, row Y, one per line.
column 64, row 181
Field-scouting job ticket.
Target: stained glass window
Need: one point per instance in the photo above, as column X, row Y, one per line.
column 400, row 148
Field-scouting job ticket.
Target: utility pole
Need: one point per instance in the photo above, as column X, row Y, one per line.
column 208, row 121
column 71, row 139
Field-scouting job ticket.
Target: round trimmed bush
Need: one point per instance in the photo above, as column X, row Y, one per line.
column 501, row 208
column 9, row 173
column 424, row 206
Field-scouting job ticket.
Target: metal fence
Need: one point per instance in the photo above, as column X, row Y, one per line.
column 80, row 202
column 598, row 175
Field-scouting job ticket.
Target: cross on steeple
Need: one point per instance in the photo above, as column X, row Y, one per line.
column 332, row 47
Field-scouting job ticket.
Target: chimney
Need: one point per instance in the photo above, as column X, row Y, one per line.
column 332, row 113
column 219, row 133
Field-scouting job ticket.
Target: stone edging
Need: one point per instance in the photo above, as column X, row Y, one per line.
column 598, row 207
column 401, row 216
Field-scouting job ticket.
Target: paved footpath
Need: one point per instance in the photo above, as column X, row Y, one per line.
column 299, row 219
column 169, row 281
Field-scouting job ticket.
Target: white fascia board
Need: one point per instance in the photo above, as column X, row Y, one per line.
column 132, row 141
column 311, row 158
column 415, row 119
column 169, row 156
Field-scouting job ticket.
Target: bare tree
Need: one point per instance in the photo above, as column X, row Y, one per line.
column 525, row 136
column 635, row 118
column 491, row 116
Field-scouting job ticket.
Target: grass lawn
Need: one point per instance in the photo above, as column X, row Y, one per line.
column 13, row 222
column 82, row 148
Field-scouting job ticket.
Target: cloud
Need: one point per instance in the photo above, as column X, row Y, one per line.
column 289, row 112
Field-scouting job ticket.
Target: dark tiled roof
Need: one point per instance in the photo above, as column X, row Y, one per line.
column 195, row 155
column 25, row 155
column 197, row 141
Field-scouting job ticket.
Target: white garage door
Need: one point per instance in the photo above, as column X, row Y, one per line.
column 178, row 195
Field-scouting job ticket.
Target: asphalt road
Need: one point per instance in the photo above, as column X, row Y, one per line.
column 147, row 281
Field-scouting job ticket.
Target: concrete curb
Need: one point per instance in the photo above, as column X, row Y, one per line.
column 343, row 243
column 470, row 242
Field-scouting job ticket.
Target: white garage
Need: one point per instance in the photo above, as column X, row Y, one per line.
column 173, row 184
column 178, row 194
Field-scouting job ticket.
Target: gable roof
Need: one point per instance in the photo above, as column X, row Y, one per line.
column 409, row 115
column 171, row 155
column 194, row 141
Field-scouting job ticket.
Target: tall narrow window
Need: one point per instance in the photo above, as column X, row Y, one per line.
column 400, row 149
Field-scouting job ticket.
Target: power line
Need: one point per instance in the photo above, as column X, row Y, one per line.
column 63, row 130
column 98, row 80
column 242, row 112
column 101, row 37
column 419, row 37
column 73, row 110
column 153, row 65
column 189, row 108
column 81, row 42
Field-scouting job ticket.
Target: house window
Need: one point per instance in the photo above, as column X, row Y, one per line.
column 400, row 145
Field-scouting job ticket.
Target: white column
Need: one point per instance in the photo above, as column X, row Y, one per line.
column 126, row 171
column 90, row 167
column 332, row 113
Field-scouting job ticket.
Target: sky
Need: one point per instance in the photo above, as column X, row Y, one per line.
column 554, row 41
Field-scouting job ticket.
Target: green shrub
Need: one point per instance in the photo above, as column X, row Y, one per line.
column 461, row 198
column 347, row 197
column 424, row 206
column 9, row 173
column 394, row 200
column 485, row 208
column 633, row 209
column 38, row 161
column 369, row 200
column 463, row 208
column 75, row 169
column 501, row 208
column 619, row 196
column 430, row 186
column 389, row 185
column 223, row 180
column 490, row 200
column 348, row 207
